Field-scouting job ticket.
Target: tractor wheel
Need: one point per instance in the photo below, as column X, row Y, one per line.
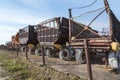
column 64, row 54
column 38, row 52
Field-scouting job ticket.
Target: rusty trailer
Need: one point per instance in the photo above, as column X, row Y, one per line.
column 52, row 32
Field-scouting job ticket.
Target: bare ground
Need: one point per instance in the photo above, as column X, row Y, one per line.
column 17, row 68
column 100, row 72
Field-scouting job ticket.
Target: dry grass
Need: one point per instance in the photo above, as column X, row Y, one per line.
column 20, row 69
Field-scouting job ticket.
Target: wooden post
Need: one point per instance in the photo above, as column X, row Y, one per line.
column 118, row 60
column 106, row 59
column 26, row 52
column 42, row 49
column 17, row 50
column 88, row 60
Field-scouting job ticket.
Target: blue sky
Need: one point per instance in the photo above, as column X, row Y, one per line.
column 16, row 14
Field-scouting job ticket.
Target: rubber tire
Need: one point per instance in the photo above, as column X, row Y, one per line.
column 38, row 52
column 31, row 51
column 79, row 56
column 22, row 49
column 62, row 52
column 48, row 52
column 112, row 60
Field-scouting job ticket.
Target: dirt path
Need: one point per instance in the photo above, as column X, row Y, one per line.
column 100, row 72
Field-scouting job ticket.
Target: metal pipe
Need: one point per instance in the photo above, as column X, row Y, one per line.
column 70, row 18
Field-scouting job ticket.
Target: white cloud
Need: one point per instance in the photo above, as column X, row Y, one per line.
column 8, row 28
column 13, row 16
column 18, row 17
column 6, row 32
column 36, row 4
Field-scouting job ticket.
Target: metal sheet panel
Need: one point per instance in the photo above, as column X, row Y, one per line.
column 115, row 27
column 77, row 28
column 23, row 35
column 46, row 34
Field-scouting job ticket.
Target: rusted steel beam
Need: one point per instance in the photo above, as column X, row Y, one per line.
column 88, row 60
column 106, row 6
column 55, row 19
column 100, row 42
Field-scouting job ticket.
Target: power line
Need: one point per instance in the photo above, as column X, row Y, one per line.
column 90, row 23
column 96, row 17
column 89, row 12
column 85, row 6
